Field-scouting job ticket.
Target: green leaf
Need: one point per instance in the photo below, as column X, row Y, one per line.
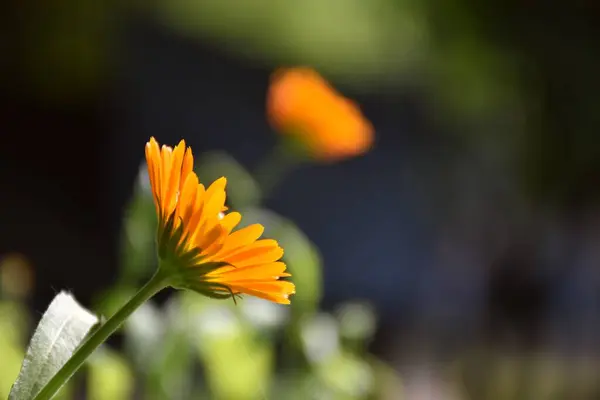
column 388, row 384
column 349, row 377
column 357, row 322
column 252, row 360
column 61, row 330
column 139, row 233
column 171, row 375
column 349, row 38
column 265, row 316
column 144, row 332
column 238, row 365
column 13, row 316
column 109, row 301
column 110, row 377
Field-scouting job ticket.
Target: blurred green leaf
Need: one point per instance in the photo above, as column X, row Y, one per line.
column 12, row 331
column 242, row 189
column 352, row 39
column 387, row 382
column 144, row 332
column 138, row 255
column 350, row 377
column 112, row 299
column 473, row 79
column 264, row 315
column 62, row 328
column 171, row 372
column 357, row 322
column 319, row 334
column 110, row 377
column 300, row 385
column 237, row 364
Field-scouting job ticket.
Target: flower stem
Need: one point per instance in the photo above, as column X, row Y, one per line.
column 99, row 336
column 275, row 167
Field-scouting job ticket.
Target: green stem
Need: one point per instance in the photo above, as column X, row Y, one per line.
column 99, row 336
column 276, row 166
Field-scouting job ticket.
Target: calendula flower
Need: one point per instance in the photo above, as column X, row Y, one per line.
column 197, row 242
column 302, row 104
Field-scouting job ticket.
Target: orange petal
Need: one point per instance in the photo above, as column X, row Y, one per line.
column 205, row 241
column 230, row 221
column 277, row 291
column 165, row 172
column 154, row 165
column 215, row 200
column 187, row 199
column 243, row 237
column 261, row 252
column 174, row 177
column 261, row 272
column 194, row 222
column 188, row 164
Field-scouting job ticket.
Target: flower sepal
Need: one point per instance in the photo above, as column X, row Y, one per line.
column 193, row 277
column 214, row 290
column 170, row 239
column 182, row 274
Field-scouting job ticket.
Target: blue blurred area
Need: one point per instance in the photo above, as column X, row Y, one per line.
column 367, row 215
column 474, row 212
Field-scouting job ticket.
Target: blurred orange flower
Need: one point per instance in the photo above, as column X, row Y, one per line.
column 196, row 243
column 302, row 104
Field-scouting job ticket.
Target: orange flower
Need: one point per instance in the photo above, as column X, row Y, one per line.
column 301, row 103
column 196, row 243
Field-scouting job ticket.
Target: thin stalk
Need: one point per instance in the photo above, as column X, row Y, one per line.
column 99, row 336
column 275, row 167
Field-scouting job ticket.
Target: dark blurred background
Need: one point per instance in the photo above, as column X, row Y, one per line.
column 473, row 222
